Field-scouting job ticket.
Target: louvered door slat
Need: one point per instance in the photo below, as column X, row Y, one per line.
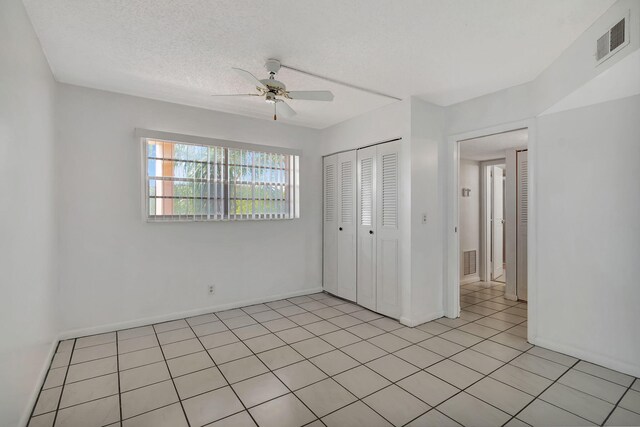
column 329, row 192
column 347, row 198
column 524, row 191
column 366, row 191
column 390, row 190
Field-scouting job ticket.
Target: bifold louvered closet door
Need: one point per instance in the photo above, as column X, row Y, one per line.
column 387, row 229
column 347, row 225
column 330, row 224
column 522, row 214
column 361, row 258
column 367, row 215
column 340, row 225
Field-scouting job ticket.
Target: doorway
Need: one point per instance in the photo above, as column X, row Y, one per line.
column 493, row 154
column 491, row 164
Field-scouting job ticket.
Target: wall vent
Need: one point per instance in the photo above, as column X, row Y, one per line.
column 469, row 262
column 612, row 41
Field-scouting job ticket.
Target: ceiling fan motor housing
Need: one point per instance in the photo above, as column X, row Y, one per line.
column 272, row 65
column 273, row 86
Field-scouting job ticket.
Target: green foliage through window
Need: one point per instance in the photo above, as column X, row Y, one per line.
column 198, row 182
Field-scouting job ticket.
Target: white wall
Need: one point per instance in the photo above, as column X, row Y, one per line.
column 389, row 122
column 469, row 208
column 27, row 214
column 427, row 197
column 572, row 70
column 588, row 233
column 421, row 127
column 115, row 268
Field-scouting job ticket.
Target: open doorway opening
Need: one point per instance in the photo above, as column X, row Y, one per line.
column 492, row 209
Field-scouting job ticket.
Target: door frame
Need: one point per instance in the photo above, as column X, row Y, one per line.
column 452, row 264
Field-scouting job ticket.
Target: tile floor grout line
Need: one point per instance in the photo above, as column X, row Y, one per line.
column 550, row 385
column 223, row 376
column 473, row 383
column 481, row 373
column 504, row 363
column 308, row 385
column 44, row 382
column 55, row 417
column 172, row 381
column 386, row 353
column 282, row 382
column 318, row 336
column 542, row 392
column 335, row 348
column 617, row 404
column 419, row 369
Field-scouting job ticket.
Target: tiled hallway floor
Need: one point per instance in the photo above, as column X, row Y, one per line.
column 316, row 360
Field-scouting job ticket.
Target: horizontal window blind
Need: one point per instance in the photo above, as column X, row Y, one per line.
column 191, row 182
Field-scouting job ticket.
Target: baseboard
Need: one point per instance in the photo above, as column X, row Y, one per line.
column 511, row 297
column 419, row 320
column 42, row 376
column 75, row 333
column 587, row 356
column 470, row 279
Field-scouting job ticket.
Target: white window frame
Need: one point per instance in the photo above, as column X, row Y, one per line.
column 143, row 135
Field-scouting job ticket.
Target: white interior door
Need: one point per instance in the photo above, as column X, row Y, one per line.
column 497, row 223
column 366, row 238
column 330, row 225
column 522, row 221
column 347, row 225
column 387, row 230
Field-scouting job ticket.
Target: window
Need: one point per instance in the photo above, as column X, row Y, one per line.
column 194, row 182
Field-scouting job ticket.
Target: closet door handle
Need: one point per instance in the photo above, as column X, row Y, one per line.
column 370, row 231
column 340, row 228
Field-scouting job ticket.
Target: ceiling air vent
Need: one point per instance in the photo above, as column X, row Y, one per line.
column 612, row 41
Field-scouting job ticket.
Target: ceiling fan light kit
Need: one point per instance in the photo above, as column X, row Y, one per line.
column 275, row 92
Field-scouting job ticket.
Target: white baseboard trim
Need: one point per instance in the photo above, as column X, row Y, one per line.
column 511, row 297
column 419, row 320
column 587, row 356
column 42, row 376
column 470, row 279
column 75, row 333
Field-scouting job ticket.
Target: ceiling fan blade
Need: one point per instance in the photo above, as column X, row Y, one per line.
column 239, row 94
column 283, row 109
column 249, row 77
column 311, row 95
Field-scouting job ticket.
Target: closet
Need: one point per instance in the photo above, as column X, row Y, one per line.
column 361, row 227
column 339, row 225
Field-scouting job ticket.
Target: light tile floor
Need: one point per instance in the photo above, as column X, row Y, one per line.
column 317, row 360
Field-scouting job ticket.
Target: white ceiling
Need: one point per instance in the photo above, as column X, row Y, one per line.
column 182, row 50
column 493, row 147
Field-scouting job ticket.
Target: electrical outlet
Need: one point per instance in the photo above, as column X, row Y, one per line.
column 424, row 218
column 212, row 289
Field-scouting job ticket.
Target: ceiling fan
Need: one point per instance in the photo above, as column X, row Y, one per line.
column 275, row 92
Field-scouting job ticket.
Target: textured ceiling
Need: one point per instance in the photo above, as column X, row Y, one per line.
column 493, row 146
column 444, row 51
